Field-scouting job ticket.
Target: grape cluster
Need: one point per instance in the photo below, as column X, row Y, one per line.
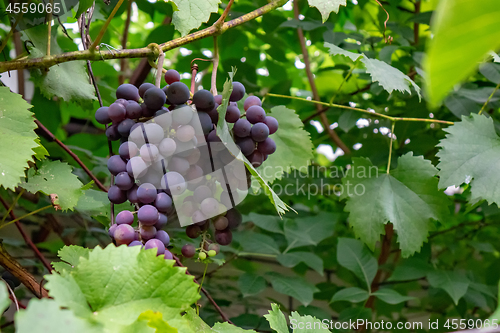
column 173, row 165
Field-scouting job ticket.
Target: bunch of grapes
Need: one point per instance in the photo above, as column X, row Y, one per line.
column 173, row 166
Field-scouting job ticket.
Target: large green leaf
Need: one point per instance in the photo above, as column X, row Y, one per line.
column 307, row 324
column 68, row 81
column 292, row 259
column 17, row 136
column 352, row 294
column 251, row 284
column 55, row 177
column 259, row 243
column 192, row 13
column 463, row 34
column 354, row 256
column 391, row 296
column 277, row 319
column 467, row 155
column 270, row 223
column 297, row 287
column 454, row 283
column 83, row 5
column 408, row 197
column 325, row 7
column 309, row 230
column 70, row 257
column 293, row 146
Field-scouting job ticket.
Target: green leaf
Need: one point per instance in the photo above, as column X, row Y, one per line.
column 347, row 120
column 4, row 296
column 391, row 296
column 155, row 320
column 192, row 13
column 259, row 243
column 251, row 284
column 277, row 319
column 353, row 294
column 454, row 283
column 55, row 177
column 70, row 256
column 451, row 25
column 18, row 129
column 83, row 5
column 294, row 149
column 68, row 80
column 334, row 50
column 408, row 197
column 410, row 269
column 325, row 7
column 354, row 256
column 195, row 322
column 467, row 153
column 270, row 223
column 121, row 283
column 228, row 328
column 93, row 203
column 307, row 324
column 292, row 259
column 45, row 315
column 309, row 230
column 297, row 287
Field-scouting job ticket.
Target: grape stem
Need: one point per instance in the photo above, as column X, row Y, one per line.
column 390, row 148
column 488, row 100
column 159, row 69
column 49, row 28
column 201, row 284
column 218, row 24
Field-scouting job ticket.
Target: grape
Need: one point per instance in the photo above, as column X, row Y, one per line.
column 201, row 193
column 188, row 208
column 134, row 110
column 242, row 128
column 259, row 132
column 127, row 150
column 179, row 165
column 193, row 231
column 155, row 243
column 112, row 133
column 223, row 237
column 182, row 115
column 102, row 116
column 136, row 167
column 232, row 113
column 256, row 114
column 147, row 232
column 234, row 218
column 202, row 255
column 205, row 122
column 225, row 199
column 167, row 147
column 116, row 196
column 168, row 255
column 116, row 165
column 111, row 230
column 135, row 243
column 185, row 133
column 122, row 101
column 125, row 126
column 123, row 181
column 163, row 202
column 194, row 157
column 225, row 157
column 132, row 194
column 247, row 146
column 125, row 217
column 188, row 251
column 127, row 91
column 238, row 92
column 147, row 215
column 149, row 152
column 178, row 93
column 147, row 112
column 144, row 87
column 163, row 236
column 250, row 101
column 164, row 119
column 212, row 137
column 162, row 221
column 198, row 217
column 153, row 133
column 218, row 99
column 146, row 193
column 212, row 253
column 184, row 149
column 256, row 158
column 220, row 223
column 154, row 98
column 160, row 165
column 214, row 114
column 116, row 112
column 267, row 147
column 174, row 182
column 172, row 76
column 124, row 234
column 214, row 247
column 272, row 123
column 204, row 100
column 209, row 207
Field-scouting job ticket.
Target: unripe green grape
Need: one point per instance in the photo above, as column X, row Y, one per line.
column 202, row 256
column 212, row 253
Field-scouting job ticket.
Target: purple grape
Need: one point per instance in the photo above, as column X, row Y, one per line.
column 122, row 101
column 242, row 128
column 172, row 76
column 127, row 150
column 155, row 243
column 147, row 112
column 145, row 86
column 163, row 202
column 204, row 100
column 174, row 182
column 134, row 110
column 188, row 251
column 168, row 255
column 201, row 193
column 102, row 115
column 238, row 92
column 267, row 147
column 256, row 114
column 127, row 91
column 256, row 158
column 259, row 132
column 125, row 126
column 116, row 196
column 161, row 222
column 218, row 99
column 234, row 218
column 116, row 165
column 124, row 181
column 117, row 112
column 112, row 133
column 232, row 113
column 148, row 215
column 195, row 172
column 146, row 193
column 209, row 207
column 125, row 217
column 154, row 98
column 220, row 223
column 205, row 122
column 111, row 230
column 163, row 236
column 124, row 234
column 223, row 237
column 247, row 146
column 251, row 101
column 272, row 123
column 135, row 243
column 132, row 194
column 197, row 217
column 149, row 152
column 147, row 232
column 179, row 165
column 193, row 231
column 178, row 93
column 167, row 147
column 136, row 167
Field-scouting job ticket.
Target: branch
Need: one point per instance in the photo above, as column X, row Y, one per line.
column 27, row 240
column 44, row 62
column 73, row 155
column 322, row 116
column 105, row 26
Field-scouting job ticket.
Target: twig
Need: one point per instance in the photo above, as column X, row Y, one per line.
column 27, row 240
column 11, row 32
column 322, row 116
column 194, row 72
column 222, row 18
column 73, row 155
column 215, row 60
column 44, row 62
column 12, row 206
column 488, row 100
column 26, row 215
column 159, row 69
column 18, row 45
column 105, row 26
column 49, row 28
column 124, row 62
column 12, row 295
column 390, row 149
column 387, row 39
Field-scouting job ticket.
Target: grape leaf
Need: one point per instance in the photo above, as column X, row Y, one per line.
column 307, row 324
column 68, row 80
column 18, row 129
column 70, row 256
column 292, row 259
column 467, row 153
column 354, row 256
column 121, row 283
column 451, row 25
column 293, row 146
column 391, row 296
column 325, row 7
column 309, row 230
column 55, row 177
column 251, row 284
column 258, row 243
column 408, row 197
column 45, row 315
column 83, row 5
column 192, row 13
column 277, row 319
column 228, row 328
column 4, row 296
column 270, row 223
column 195, row 322
column 454, row 283
column 352, row 294
column 297, row 287
column 334, row 50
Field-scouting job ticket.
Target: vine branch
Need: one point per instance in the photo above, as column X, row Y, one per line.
column 105, row 26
